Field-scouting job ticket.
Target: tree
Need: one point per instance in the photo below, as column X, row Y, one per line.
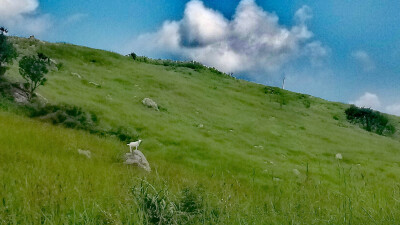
column 370, row 120
column 133, row 55
column 33, row 69
column 7, row 51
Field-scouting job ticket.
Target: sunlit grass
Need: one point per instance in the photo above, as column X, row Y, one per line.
column 243, row 155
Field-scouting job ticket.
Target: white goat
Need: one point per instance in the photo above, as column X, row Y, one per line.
column 134, row 144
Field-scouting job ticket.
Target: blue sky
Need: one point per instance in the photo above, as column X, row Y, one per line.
column 340, row 50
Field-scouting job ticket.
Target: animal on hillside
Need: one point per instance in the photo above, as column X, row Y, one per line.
column 134, row 144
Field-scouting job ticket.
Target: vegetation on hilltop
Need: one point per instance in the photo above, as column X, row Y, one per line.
column 370, row 120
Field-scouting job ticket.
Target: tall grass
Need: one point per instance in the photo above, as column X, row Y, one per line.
column 238, row 166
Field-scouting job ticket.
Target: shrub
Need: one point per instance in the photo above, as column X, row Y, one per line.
column 133, row 55
column 156, row 207
column 43, row 57
column 159, row 206
column 67, row 115
column 370, row 120
column 278, row 94
column 7, row 51
column 175, row 64
column 75, row 117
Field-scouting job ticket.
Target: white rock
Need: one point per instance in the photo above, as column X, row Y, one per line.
column 339, row 156
column 76, row 75
column 150, row 103
column 86, row 153
column 296, row 172
column 53, row 61
column 200, row 125
column 94, row 84
column 138, row 159
column 44, row 99
column 19, row 95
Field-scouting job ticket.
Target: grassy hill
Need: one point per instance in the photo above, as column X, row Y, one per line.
column 243, row 153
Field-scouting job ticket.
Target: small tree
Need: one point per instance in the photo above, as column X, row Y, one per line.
column 133, row 55
column 33, row 69
column 7, row 51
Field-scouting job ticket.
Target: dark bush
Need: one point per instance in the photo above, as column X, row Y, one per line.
column 133, row 55
column 67, row 115
column 370, row 120
column 74, row 117
column 43, row 57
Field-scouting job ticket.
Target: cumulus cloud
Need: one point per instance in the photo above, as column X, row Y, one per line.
column 252, row 41
column 393, row 109
column 21, row 16
column 368, row 100
column 303, row 14
column 363, row 58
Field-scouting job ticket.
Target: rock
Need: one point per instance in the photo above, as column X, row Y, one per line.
column 138, row 159
column 52, row 61
column 200, row 125
column 339, row 156
column 20, row 95
column 296, row 172
column 86, row 153
column 44, row 99
column 150, row 103
column 76, row 75
column 94, row 84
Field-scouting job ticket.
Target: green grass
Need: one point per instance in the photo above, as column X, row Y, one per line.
column 243, row 157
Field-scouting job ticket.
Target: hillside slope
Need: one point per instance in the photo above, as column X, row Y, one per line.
column 259, row 160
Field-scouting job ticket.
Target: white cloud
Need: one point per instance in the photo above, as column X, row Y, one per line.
column 252, row 42
column 364, row 60
column 303, row 14
column 74, row 18
column 393, row 109
column 368, row 100
column 20, row 16
column 202, row 26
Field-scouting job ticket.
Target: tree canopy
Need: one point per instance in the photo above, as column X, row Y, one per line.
column 7, row 51
column 33, row 70
column 370, row 120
